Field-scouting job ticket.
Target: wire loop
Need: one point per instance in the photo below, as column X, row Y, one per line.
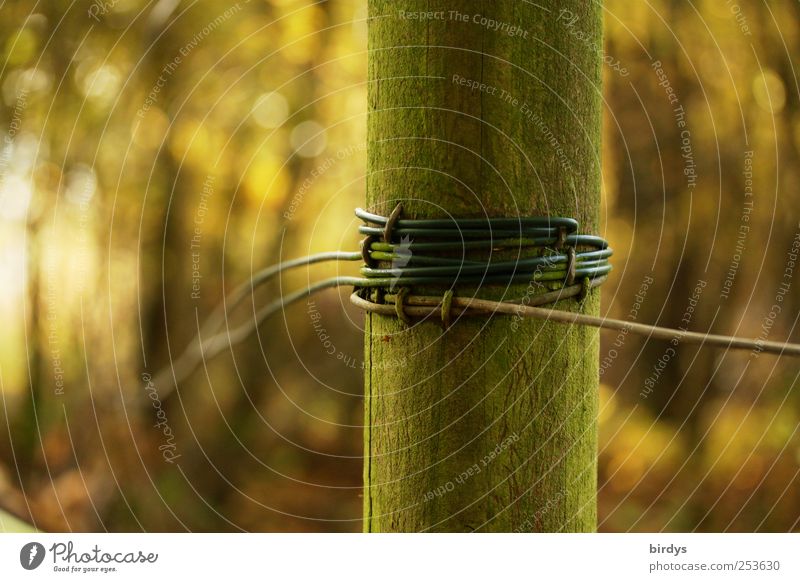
column 365, row 250
column 447, row 304
column 399, row 308
column 562, row 237
column 390, row 222
column 570, row 266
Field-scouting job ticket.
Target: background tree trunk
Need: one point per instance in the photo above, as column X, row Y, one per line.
column 483, row 427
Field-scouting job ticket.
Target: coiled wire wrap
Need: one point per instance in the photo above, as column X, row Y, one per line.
column 516, row 250
column 433, row 253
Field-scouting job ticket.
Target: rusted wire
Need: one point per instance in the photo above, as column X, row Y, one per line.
column 422, row 306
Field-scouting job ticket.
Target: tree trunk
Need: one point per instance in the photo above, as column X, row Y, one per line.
column 487, row 426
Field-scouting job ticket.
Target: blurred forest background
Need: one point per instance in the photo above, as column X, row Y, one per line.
column 156, row 153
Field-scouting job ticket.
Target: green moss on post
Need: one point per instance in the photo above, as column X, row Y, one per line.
column 491, row 425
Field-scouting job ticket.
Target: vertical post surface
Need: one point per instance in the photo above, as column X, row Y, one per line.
column 483, row 108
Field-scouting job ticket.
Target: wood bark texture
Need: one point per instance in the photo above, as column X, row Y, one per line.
column 483, row 108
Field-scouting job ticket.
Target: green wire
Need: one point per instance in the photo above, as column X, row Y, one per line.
column 432, row 252
column 425, row 252
column 420, row 252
